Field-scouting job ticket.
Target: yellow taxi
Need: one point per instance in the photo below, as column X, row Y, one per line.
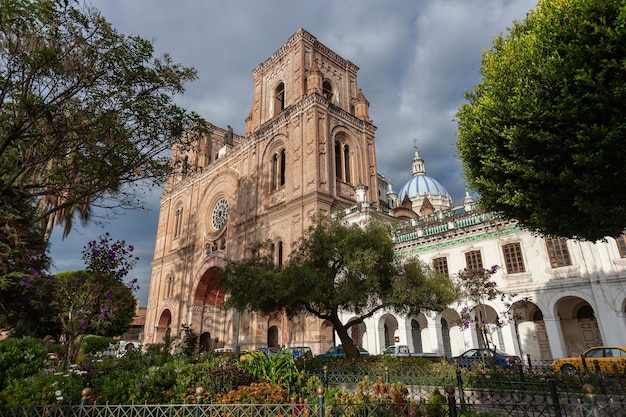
column 611, row 359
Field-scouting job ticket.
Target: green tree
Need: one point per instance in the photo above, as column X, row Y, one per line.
column 95, row 301
column 541, row 138
column 22, row 248
column 479, row 287
column 336, row 267
column 86, row 113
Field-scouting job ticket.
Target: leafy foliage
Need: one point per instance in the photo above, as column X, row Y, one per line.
column 541, row 137
column 93, row 344
column 20, row 358
column 277, row 369
column 94, row 301
column 479, row 287
column 22, row 249
column 86, row 113
column 336, row 267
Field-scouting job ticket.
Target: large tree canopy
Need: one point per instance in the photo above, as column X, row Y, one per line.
column 86, row 113
column 335, row 268
column 542, row 137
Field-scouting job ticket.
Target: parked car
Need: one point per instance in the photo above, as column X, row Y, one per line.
column 611, row 359
column 269, row 351
column 473, row 357
column 402, row 351
column 301, row 352
column 339, row 352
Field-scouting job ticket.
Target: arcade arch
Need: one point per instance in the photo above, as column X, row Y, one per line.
column 578, row 325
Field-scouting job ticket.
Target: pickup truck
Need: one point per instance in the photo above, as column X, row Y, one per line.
column 339, row 352
column 402, row 351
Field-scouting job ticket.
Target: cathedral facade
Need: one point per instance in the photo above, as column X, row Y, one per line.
column 309, row 147
column 308, row 143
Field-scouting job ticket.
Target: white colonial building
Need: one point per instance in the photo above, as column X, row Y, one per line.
column 577, row 290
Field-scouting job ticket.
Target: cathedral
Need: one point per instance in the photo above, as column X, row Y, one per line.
column 308, row 148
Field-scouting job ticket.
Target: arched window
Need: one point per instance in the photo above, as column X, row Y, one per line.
column 178, row 222
column 170, row 286
column 277, row 173
column 279, row 254
column 327, row 88
column 279, row 98
column 342, row 161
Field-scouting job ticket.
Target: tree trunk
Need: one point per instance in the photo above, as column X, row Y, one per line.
column 352, row 352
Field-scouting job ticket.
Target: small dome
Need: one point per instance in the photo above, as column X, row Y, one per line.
column 421, row 185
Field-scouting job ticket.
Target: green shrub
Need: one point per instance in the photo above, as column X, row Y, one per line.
column 93, row 344
column 43, row 389
column 278, row 369
column 20, row 358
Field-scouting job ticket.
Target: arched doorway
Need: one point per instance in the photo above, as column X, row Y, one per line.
column 451, row 338
column 390, row 327
column 207, row 314
column 419, row 334
column 578, row 324
column 205, row 342
column 416, row 336
column 532, row 337
column 273, row 337
column 208, row 292
column 445, row 338
column 487, row 327
column 357, row 333
column 164, row 326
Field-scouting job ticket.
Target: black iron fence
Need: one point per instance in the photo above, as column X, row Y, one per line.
column 477, row 403
column 528, row 390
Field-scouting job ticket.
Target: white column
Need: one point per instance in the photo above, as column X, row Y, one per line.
column 555, row 335
column 434, row 334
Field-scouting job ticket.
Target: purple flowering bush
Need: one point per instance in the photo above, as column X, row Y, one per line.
column 94, row 301
column 480, row 288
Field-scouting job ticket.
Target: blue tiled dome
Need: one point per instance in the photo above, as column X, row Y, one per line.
column 422, row 185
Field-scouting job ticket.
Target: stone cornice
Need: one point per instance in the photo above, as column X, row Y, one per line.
column 317, row 45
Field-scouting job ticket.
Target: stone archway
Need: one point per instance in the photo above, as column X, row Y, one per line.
column 419, row 334
column 578, row 324
column 357, row 333
column 389, row 326
column 164, row 324
column 204, row 344
column 273, row 336
column 532, row 337
column 208, row 291
column 489, row 331
column 451, row 338
column 208, row 299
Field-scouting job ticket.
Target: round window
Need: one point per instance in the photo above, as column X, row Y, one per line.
column 220, row 213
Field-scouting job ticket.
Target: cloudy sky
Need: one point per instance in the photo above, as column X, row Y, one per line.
column 416, row 58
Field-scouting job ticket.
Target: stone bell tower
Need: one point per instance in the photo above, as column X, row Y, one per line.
column 308, row 143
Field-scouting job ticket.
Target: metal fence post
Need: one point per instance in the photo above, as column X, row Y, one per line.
column 589, row 390
column 451, row 401
column 386, row 374
column 199, row 397
column 555, row 395
column 84, row 396
column 325, row 374
column 530, row 364
column 596, row 365
column 459, row 385
column 320, row 401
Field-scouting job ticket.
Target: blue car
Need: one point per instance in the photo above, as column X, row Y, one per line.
column 339, row 352
column 474, row 357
